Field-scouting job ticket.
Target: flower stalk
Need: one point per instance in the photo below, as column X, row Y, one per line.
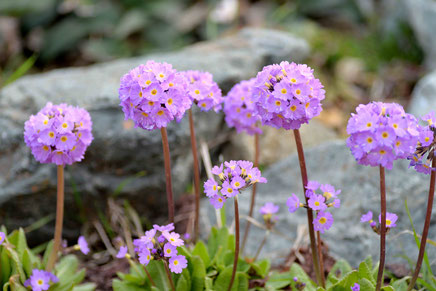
column 170, row 279
column 304, row 179
column 426, row 227
column 261, row 245
column 235, row 261
column 167, row 162
column 59, row 219
column 382, row 228
column 253, row 192
column 321, row 259
column 196, row 176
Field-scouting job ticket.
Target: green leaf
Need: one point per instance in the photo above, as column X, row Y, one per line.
column 21, row 71
column 15, row 284
column 278, row 280
column 16, row 266
column 261, row 267
column 200, row 250
column 47, row 253
column 182, row 284
column 223, row 280
column 85, row 287
column 400, row 285
column 426, row 284
column 368, row 261
column 198, row 273
column 208, row 284
column 346, row 282
column 366, row 284
column 388, row 288
column 118, row 285
column 157, row 272
column 242, row 279
column 365, row 272
column 340, row 268
column 297, row 271
column 5, row 266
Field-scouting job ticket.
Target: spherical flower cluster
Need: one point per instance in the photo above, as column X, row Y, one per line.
column 287, row 95
column 240, row 109
column 381, row 133
column 160, row 243
column 2, row 237
column 58, row 134
column 391, row 219
column 203, row 91
column 234, row 176
column 153, row 94
column 423, row 156
column 318, row 202
column 40, row 280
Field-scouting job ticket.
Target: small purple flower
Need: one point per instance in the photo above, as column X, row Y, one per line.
column 329, row 191
column 238, row 182
column 40, row 280
column 336, row 203
column 317, row 202
column 323, row 221
column 211, row 188
column 269, row 209
column 186, row 236
column 144, row 256
column 293, row 203
column 356, row 287
column 381, row 133
column 430, row 118
column 83, row 245
column 287, row 95
column 423, row 156
column 169, row 250
column 391, row 218
column 366, row 217
column 312, row 185
column 2, row 237
column 168, row 227
column 58, row 134
column 203, row 91
column 177, row 264
column 217, row 201
column 122, row 252
column 173, row 238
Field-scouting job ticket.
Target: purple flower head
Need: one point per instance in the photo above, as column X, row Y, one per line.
column 366, row 217
column 122, row 252
column 40, row 280
column 154, row 94
column 422, row 158
column 323, row 221
column 145, row 256
column 329, row 191
column 312, row 185
column 169, row 250
column 168, row 227
column 293, row 203
column 173, row 238
column 234, row 176
column 240, row 108
column 177, row 264
column 391, row 218
column 287, row 95
column 203, row 91
column 356, row 287
column 83, row 245
column 2, row 237
column 58, row 134
column 336, row 203
column 317, row 202
column 269, row 209
column 381, row 133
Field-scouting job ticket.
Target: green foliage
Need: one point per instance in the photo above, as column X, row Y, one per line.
column 17, row 262
column 209, row 268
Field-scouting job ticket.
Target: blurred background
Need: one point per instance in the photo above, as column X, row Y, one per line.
column 361, row 50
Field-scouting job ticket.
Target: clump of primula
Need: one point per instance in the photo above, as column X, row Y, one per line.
column 153, row 94
column 40, row 280
column 160, row 243
column 234, row 176
column 391, row 219
column 424, row 153
column 381, row 133
column 203, row 91
column 241, row 110
column 268, row 210
column 318, row 202
column 287, row 95
column 58, row 134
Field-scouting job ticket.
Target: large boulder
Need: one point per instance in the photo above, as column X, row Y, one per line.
column 333, row 163
column 423, row 96
column 119, row 151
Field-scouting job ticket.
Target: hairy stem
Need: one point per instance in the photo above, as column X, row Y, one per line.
column 426, row 227
column 253, row 193
column 321, row 259
column 309, row 211
column 196, row 176
column 169, row 276
column 382, row 228
column 59, row 219
column 167, row 162
column 235, row 261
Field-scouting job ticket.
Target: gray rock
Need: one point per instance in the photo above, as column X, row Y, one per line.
column 119, row 152
column 422, row 17
column 332, row 163
column 423, row 96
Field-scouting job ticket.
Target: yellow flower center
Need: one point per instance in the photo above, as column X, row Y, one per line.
column 398, row 143
column 203, row 104
column 64, row 139
column 170, row 101
column 293, row 108
column 168, row 251
column 369, row 140
column 327, row 195
column 238, row 109
column 153, row 92
column 280, row 116
column 197, row 91
column 248, row 115
column 45, row 148
column 51, row 134
column 175, row 263
column 298, row 91
column 242, row 98
column 388, row 222
column 316, row 203
column 151, row 103
column 369, row 124
column 322, row 220
column 144, row 114
column 171, row 84
column 81, row 123
column 40, row 282
column 230, row 190
column 220, row 199
column 237, row 184
column 430, row 122
column 395, row 125
column 214, row 187
column 148, row 82
column 293, row 80
column 160, row 112
column 278, row 103
column 382, row 152
column 161, row 75
column 59, row 153
column 307, row 105
column 45, row 121
column 140, row 94
column 385, row 134
column 427, row 139
column 284, row 91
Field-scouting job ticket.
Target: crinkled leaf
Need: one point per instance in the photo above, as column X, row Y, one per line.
column 200, row 250
column 366, row 284
column 278, row 280
column 118, row 285
column 198, row 273
column 365, row 272
column 261, row 267
column 85, row 287
column 297, row 271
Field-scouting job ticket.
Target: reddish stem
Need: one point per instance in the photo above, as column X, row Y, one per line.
column 426, row 227
column 167, row 271
column 196, row 176
column 309, row 211
column 253, row 193
column 382, row 229
column 235, row 261
column 167, row 162
column 321, row 259
column 59, row 219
